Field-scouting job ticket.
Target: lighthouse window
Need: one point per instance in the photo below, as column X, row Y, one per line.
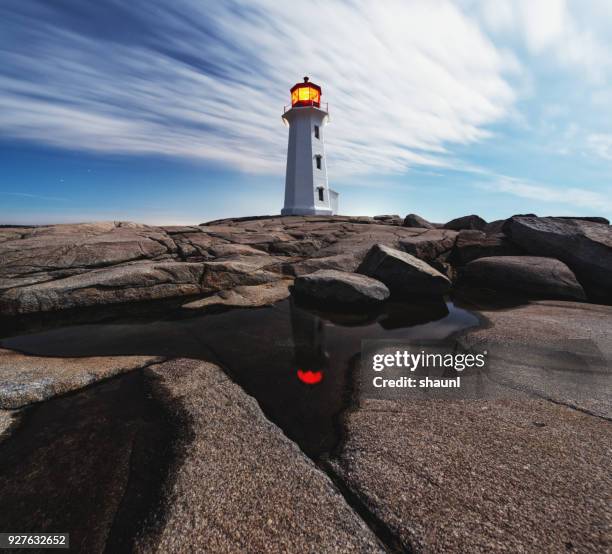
column 318, row 158
column 320, row 189
column 316, row 131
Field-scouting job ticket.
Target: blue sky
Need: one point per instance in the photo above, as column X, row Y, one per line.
column 169, row 111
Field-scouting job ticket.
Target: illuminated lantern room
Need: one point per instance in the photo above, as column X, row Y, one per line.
column 305, row 94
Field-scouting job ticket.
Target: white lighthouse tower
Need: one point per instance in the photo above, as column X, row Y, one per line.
column 306, row 189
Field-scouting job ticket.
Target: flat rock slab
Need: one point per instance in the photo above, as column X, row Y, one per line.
column 553, row 349
column 340, row 287
column 531, row 275
column 28, row 379
column 245, row 296
column 131, row 282
column 241, row 485
column 482, row 476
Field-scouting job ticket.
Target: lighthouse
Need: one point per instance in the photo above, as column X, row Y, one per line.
column 307, row 191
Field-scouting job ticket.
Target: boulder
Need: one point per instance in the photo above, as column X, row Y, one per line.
column 471, row 245
column 533, row 276
column 466, row 222
column 339, row 287
column 414, row 220
column 494, row 227
column 585, row 246
column 389, row 219
column 429, row 245
column 404, row 274
column 592, row 219
column 342, row 262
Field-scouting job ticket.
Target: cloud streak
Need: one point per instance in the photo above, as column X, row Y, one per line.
column 572, row 196
column 405, row 81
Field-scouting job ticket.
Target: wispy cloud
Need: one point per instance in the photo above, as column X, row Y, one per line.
column 405, row 80
column 601, row 145
column 572, row 196
column 32, row 196
column 567, row 33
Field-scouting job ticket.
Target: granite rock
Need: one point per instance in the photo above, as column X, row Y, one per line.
column 404, row 274
column 339, row 287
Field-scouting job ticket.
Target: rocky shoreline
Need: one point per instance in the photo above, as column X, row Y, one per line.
column 158, row 453
column 79, row 265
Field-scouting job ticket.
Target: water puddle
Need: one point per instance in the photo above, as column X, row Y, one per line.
column 297, row 362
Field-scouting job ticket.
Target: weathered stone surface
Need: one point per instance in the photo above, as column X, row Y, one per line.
column 586, row 247
column 476, row 476
column 251, row 270
column 68, row 463
column 471, row 245
column 389, row 219
column 429, row 245
column 123, row 283
column 245, row 296
column 533, row 276
column 552, row 349
column 241, row 485
column 27, row 379
column 592, row 219
column 333, row 286
column 342, row 262
column 466, row 222
column 402, row 273
column 414, row 220
column 80, row 246
column 71, row 266
column 494, row 227
column 196, row 246
column 306, row 247
column 230, row 250
column 7, row 421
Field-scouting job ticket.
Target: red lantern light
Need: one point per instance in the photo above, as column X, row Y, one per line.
column 306, row 94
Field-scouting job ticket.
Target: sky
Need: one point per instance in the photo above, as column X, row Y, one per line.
column 169, row 111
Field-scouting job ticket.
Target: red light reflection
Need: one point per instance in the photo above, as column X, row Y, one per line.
column 310, row 377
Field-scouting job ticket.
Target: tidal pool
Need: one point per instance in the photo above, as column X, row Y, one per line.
column 296, row 361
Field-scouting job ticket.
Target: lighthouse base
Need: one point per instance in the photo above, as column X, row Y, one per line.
column 306, row 211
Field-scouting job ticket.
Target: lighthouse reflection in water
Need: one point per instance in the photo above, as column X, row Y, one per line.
column 311, row 359
column 319, row 378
